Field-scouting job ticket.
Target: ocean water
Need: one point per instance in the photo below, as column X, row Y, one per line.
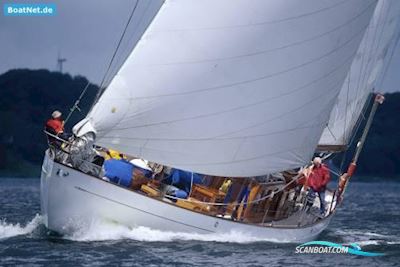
column 369, row 217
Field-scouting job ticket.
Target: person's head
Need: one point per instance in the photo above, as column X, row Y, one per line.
column 56, row 115
column 317, row 161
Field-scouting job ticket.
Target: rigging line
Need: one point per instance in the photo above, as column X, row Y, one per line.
column 355, row 131
column 336, row 49
column 260, row 23
column 330, row 131
column 347, row 104
column 351, row 20
column 361, row 118
column 344, row 156
column 127, row 47
column 152, row 18
column 75, row 106
column 139, row 24
column 334, row 172
column 101, row 89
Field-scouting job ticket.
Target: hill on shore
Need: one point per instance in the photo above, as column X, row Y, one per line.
column 28, row 97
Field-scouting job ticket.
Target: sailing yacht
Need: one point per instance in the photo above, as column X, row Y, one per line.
column 217, row 112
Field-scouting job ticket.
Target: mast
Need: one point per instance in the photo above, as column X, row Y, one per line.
column 378, row 101
column 344, row 179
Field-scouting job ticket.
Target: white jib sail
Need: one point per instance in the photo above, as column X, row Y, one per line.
column 232, row 88
column 371, row 58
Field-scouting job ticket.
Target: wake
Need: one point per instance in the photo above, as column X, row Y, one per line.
column 8, row 230
column 104, row 230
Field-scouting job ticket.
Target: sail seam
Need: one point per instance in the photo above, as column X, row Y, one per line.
column 262, row 77
column 257, row 24
column 196, row 117
column 265, row 51
column 214, row 138
column 263, row 100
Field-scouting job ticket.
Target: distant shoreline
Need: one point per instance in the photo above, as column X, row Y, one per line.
column 30, row 96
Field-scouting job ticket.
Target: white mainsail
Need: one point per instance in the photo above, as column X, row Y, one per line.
column 371, row 58
column 232, row 88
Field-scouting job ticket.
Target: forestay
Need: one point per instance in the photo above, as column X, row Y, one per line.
column 232, row 88
column 372, row 57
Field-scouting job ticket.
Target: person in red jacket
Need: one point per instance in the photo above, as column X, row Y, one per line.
column 317, row 180
column 55, row 124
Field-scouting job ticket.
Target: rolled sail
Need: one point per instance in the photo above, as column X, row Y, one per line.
column 232, row 88
column 371, row 59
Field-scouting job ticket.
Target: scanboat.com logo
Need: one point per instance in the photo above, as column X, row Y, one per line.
column 319, row 247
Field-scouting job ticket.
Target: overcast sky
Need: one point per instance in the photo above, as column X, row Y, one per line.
column 86, row 33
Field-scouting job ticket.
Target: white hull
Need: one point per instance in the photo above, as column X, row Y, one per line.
column 71, row 199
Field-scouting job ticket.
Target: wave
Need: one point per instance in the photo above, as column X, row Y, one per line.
column 8, row 230
column 366, row 238
column 105, row 230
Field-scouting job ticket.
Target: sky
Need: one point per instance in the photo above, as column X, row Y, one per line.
column 86, row 33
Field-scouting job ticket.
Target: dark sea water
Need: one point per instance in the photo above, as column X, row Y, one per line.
column 370, row 217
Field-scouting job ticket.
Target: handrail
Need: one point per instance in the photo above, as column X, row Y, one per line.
column 57, row 137
column 274, row 192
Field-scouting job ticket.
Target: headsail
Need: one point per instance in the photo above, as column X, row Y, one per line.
column 232, row 88
column 367, row 66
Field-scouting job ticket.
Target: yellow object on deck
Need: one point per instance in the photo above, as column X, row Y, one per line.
column 225, row 186
column 113, row 154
